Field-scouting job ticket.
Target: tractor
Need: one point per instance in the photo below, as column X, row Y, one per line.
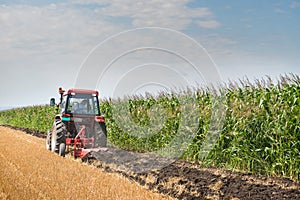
column 79, row 128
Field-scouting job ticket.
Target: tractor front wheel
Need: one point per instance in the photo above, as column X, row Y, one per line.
column 48, row 140
column 62, row 149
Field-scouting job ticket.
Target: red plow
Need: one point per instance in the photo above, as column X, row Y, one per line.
column 82, row 145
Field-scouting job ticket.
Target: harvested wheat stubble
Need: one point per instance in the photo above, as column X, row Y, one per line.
column 28, row 171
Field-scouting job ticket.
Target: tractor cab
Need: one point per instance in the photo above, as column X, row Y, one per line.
column 80, row 102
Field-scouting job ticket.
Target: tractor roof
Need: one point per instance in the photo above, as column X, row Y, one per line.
column 82, row 91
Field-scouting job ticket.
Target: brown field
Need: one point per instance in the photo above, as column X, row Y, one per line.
column 29, row 171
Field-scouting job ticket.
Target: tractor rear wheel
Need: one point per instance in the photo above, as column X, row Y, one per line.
column 58, row 139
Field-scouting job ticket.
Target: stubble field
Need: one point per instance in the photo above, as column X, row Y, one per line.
column 29, row 171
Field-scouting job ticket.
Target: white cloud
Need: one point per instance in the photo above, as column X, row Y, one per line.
column 171, row 14
column 208, row 24
column 279, row 10
column 295, row 4
column 63, row 28
column 50, row 29
column 248, row 26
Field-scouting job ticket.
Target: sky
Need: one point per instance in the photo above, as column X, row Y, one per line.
column 69, row 43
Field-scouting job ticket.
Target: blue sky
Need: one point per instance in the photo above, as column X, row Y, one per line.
column 44, row 43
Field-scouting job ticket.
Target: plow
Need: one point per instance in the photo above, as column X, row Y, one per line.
column 81, row 146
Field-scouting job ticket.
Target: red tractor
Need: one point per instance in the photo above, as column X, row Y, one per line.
column 79, row 128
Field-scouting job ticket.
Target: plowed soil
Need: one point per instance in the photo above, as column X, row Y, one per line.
column 183, row 180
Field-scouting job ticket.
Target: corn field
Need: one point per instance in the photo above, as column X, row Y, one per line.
column 34, row 117
column 260, row 133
